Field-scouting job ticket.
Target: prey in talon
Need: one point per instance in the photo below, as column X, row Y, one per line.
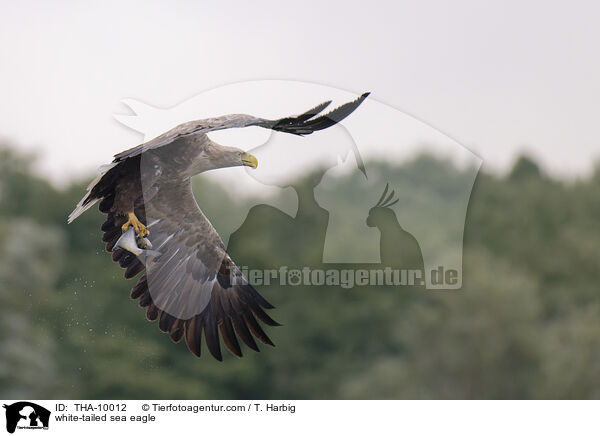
column 141, row 247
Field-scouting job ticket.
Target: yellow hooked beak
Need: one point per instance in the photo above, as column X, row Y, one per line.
column 249, row 160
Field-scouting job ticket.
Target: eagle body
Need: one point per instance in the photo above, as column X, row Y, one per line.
column 192, row 287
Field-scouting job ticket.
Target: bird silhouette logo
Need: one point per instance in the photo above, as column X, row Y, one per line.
column 398, row 247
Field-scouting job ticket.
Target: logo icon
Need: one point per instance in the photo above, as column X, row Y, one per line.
column 318, row 194
column 26, row 415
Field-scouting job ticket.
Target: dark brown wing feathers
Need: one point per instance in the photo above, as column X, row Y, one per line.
column 230, row 314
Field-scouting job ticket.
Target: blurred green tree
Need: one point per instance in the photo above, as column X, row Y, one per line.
column 525, row 324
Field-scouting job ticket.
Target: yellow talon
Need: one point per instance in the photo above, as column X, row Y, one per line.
column 133, row 221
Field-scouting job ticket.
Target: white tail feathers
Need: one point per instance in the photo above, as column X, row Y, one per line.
column 81, row 208
column 86, row 202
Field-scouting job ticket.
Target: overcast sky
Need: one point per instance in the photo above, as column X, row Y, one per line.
column 498, row 78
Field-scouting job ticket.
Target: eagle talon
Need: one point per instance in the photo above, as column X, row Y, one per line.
column 133, row 221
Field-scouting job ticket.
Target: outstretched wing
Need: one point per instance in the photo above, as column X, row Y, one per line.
column 303, row 124
column 193, row 288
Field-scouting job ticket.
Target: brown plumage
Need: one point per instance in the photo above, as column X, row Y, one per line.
column 192, row 287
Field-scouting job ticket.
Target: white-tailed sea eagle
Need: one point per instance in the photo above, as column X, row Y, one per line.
column 190, row 284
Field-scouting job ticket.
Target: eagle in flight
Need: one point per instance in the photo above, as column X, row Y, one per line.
column 154, row 225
